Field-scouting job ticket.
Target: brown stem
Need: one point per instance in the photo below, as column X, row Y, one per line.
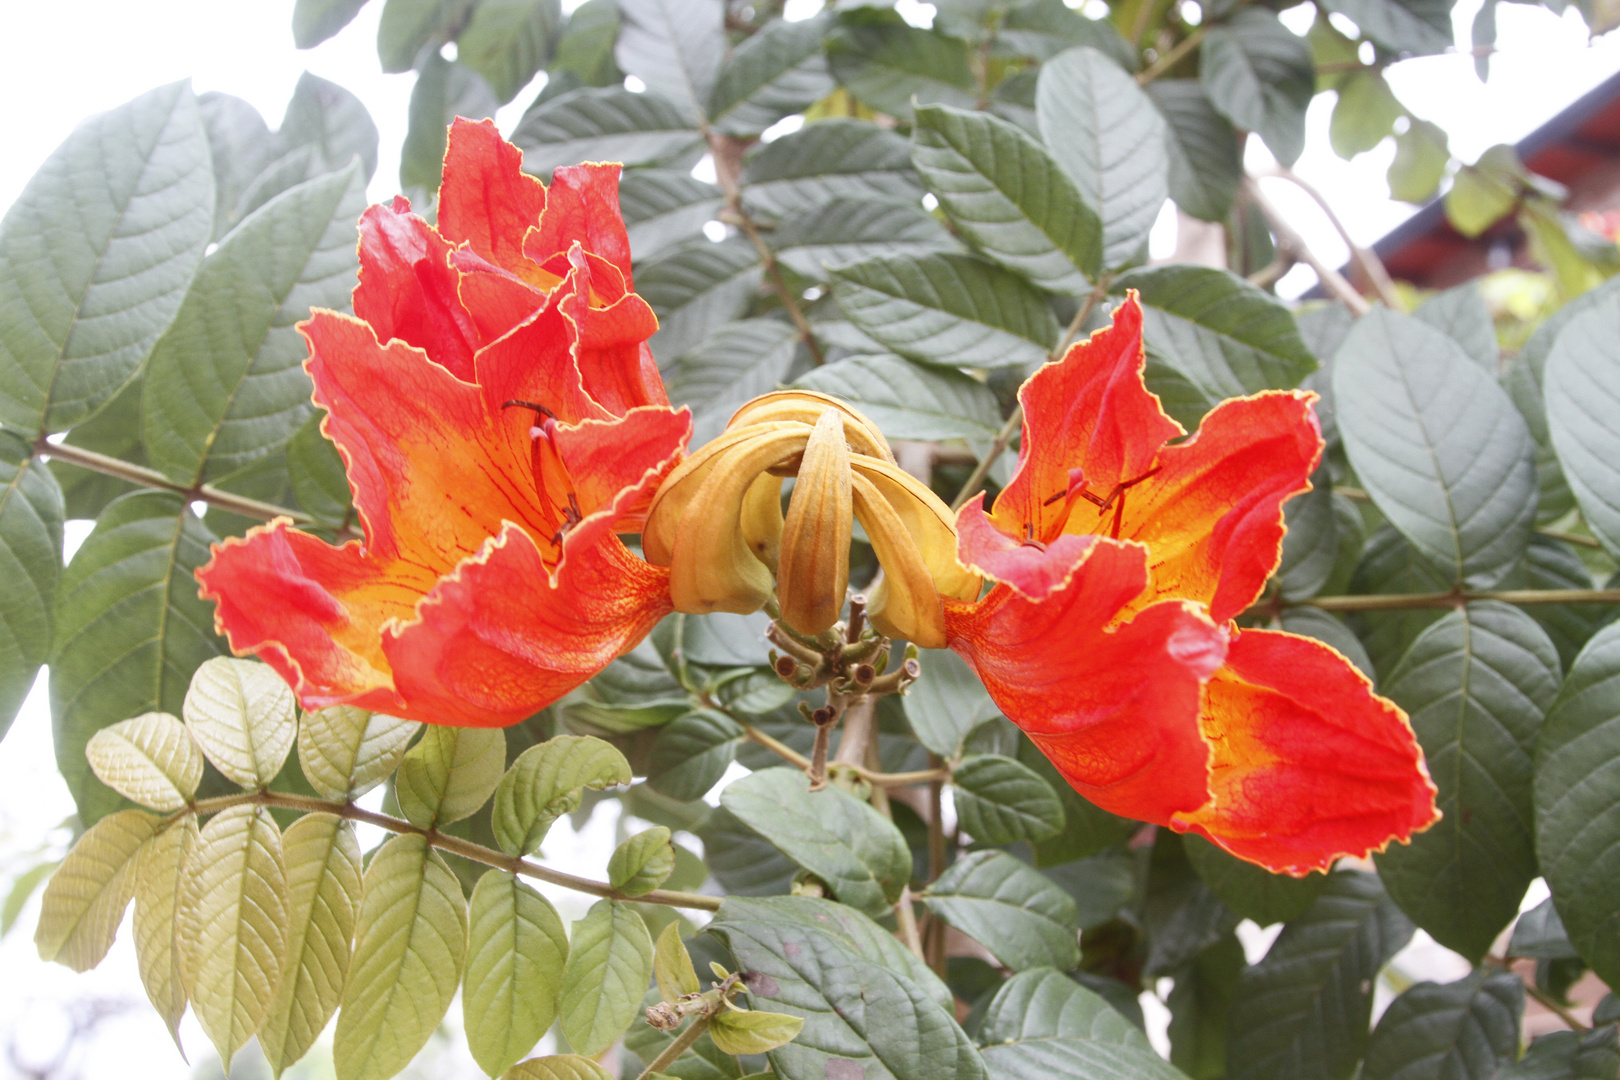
column 1417, row 601
column 1295, row 244
column 675, row 1049
column 1371, row 265
column 907, row 918
column 1552, row 1004
column 453, row 844
column 876, row 779
column 1174, row 56
column 860, row 725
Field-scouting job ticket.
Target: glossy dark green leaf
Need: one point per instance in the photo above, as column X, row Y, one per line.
column 444, row 90
column 742, row 861
column 1476, row 685
column 675, row 47
column 507, row 41
column 831, row 157
column 845, row 230
column 1000, row 801
column 1540, row 934
column 1582, row 387
column 859, row 853
column 1107, row 135
column 1328, row 628
column 1323, row 541
column 697, row 289
column 947, row 702
column 1260, row 75
column 664, row 207
column 602, row 124
column 1437, row 444
column 948, row 309
column 692, row 754
column 868, row 1011
column 31, row 513
column 888, row 64
column 1200, row 1004
column 96, row 255
column 1564, row 1055
column 1302, row 1012
column 1550, row 563
column 1414, row 27
column 1205, row 164
column 1462, row 315
column 737, row 362
column 314, row 21
column 1042, row 1024
column 1466, row 1029
column 1101, row 885
column 1008, row 196
column 1019, row 914
column 1252, row 891
column 129, row 629
column 1226, row 336
column 1577, row 817
column 226, row 384
column 779, row 71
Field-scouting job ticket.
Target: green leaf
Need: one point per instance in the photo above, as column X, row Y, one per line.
column 672, row 965
column 752, row 1032
column 96, row 255
column 1437, row 444
column 1389, row 566
column 1226, row 336
column 240, row 144
column 586, row 48
column 1414, row 27
column 1467, row 1028
column 1000, row 801
column 1582, row 380
column 449, row 774
column 887, row 64
column 231, row 925
column 742, row 861
column 410, row 942
column 1564, row 1055
column 779, row 71
column 739, row 361
column 1200, row 1006
column 591, row 124
column 642, row 863
column 324, row 129
column 85, row 899
column 858, row 852
column 1105, row 132
column 868, row 1011
column 507, row 41
column 515, row 959
column 1021, row 916
column 160, row 878
column 151, row 759
column 444, row 90
column 831, row 157
column 323, row 889
column 1323, row 541
column 31, row 513
column 675, row 47
column 1540, row 933
column 1008, row 197
column 845, row 230
column 317, row 475
column 1552, row 564
column 1577, row 818
column 946, row 702
column 663, row 208
column 1364, row 115
column 1087, row 828
column 314, row 21
column 345, row 751
column 1330, row 630
column 697, row 289
column 1302, row 1012
column 1045, row 28
column 558, row 1067
column 130, row 629
column 691, row 755
column 949, row 309
column 909, row 401
column 1043, row 1024
column 610, row 962
column 1205, row 164
column 1477, row 685
column 407, row 26
column 242, row 715
column 1462, row 315
column 1422, row 153
column 1252, row 891
column 1485, row 192
column 226, row 384
column 1260, row 75
column 546, row 782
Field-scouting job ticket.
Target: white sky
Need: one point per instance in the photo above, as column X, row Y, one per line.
column 72, row 58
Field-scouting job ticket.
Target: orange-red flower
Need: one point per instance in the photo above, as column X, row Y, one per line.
column 501, row 420
column 1122, row 556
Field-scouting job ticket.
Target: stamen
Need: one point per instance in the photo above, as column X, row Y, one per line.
column 538, row 408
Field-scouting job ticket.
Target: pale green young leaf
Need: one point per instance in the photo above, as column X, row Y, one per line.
column 31, row 515
column 750, row 1031
column 610, row 962
column 85, row 899
column 232, row 924
column 323, row 888
column 515, row 959
column 96, row 255
column 345, row 751
column 557, row 1067
column 410, row 942
column 1364, row 115
column 159, row 880
column 449, row 774
column 1019, row 914
column 152, row 760
column 1422, row 153
column 242, row 715
column 1000, row 801
column 672, row 965
column 643, row 862
column 546, row 782
column 591, row 124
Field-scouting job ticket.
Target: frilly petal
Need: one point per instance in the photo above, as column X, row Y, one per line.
column 582, row 207
column 409, row 291
column 1034, row 570
column 486, row 200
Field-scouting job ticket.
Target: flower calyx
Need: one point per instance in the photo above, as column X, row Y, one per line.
column 717, row 522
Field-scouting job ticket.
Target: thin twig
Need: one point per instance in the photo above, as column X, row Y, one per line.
column 675, row 1049
column 1418, row 601
column 876, row 779
column 1295, row 244
column 453, row 844
column 907, row 918
column 1371, row 265
column 1552, row 1004
column 1174, row 55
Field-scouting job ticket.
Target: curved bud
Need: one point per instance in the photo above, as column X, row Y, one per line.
column 813, row 567
column 905, row 603
column 929, row 522
column 806, row 407
column 761, row 521
column 679, row 487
